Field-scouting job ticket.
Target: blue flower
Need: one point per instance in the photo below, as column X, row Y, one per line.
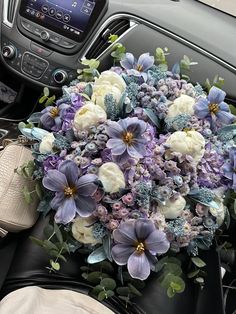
column 214, row 107
column 126, row 139
column 137, row 67
column 72, row 194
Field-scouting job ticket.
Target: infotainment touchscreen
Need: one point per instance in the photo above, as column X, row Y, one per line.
column 71, row 18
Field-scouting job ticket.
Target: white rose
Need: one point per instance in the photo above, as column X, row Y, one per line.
column 172, row 209
column 187, row 143
column 109, row 82
column 219, row 212
column 183, row 104
column 82, row 233
column 111, row 177
column 89, row 115
column 46, row 144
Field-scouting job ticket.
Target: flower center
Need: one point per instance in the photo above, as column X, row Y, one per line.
column 68, row 191
column 54, row 112
column 128, row 138
column 140, row 248
column 139, row 67
column 213, row 108
column 83, row 111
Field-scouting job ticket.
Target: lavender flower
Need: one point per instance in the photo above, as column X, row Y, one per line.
column 126, row 139
column 137, row 67
column 137, row 241
column 73, row 194
column 214, row 107
column 51, row 162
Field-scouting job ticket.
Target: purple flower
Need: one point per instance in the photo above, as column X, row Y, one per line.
column 52, row 117
column 73, row 194
column 137, row 67
column 137, row 244
column 214, row 107
column 51, row 162
column 126, row 139
column 229, row 168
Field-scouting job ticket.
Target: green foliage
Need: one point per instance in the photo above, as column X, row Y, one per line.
column 90, row 70
column 46, row 99
column 198, row 262
column 118, row 52
column 197, row 272
column 217, row 82
column 185, row 66
column 232, row 109
column 112, row 38
column 160, row 58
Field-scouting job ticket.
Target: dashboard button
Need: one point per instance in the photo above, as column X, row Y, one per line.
column 45, row 8
column 37, row 31
column 66, row 18
column 52, row 11
column 86, row 10
column 55, row 39
column 66, row 44
column 59, row 15
column 45, row 36
column 41, row 51
column 60, row 76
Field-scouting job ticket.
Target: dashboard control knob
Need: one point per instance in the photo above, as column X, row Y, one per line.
column 9, row 52
column 60, row 76
column 45, row 36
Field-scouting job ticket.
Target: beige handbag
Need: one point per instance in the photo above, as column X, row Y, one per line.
column 15, row 213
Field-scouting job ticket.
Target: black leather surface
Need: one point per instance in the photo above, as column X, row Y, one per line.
column 29, row 268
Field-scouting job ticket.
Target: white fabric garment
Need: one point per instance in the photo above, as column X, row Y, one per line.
column 35, row 300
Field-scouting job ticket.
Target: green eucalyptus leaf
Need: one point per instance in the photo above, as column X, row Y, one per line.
column 88, row 90
column 193, row 273
column 43, row 99
column 198, row 262
column 199, row 280
column 27, row 195
column 106, row 241
column 96, row 290
column 48, row 245
column 58, row 232
column 170, row 292
column 108, row 283
column 55, row 265
column 102, row 296
column 48, row 231
column 46, row 91
column 152, row 116
column 50, row 101
column 112, row 38
column 97, row 256
column 134, row 291
column 38, row 189
column 110, row 293
column 37, row 241
column 124, row 291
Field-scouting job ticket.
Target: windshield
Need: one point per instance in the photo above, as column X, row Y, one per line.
column 228, row 6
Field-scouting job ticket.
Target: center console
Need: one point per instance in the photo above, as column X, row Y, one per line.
column 41, row 39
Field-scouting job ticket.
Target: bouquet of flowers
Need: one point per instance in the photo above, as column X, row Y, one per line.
column 136, row 164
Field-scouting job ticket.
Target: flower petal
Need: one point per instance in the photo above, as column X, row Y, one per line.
column 143, row 228
column 138, row 266
column 114, row 130
column 55, row 181
column 216, row 95
column 133, row 152
column 201, row 108
column 146, row 61
column 70, row 170
column 66, row 212
column 117, row 146
column 156, row 242
column 225, row 117
column 224, row 107
column 121, row 159
column 85, row 205
column 57, row 200
column 138, row 127
column 86, row 185
column 125, row 234
column 121, row 253
column 128, row 62
column 47, row 121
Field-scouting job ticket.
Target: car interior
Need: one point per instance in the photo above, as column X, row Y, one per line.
column 42, row 45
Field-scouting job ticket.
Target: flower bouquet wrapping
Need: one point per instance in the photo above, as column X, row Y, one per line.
column 136, row 164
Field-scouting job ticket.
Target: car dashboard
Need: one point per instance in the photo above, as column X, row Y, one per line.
column 43, row 43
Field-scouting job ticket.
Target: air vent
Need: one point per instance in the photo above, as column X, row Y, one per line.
column 116, row 27
column 11, row 10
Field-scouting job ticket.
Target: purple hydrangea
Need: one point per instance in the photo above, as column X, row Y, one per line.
column 126, row 139
column 137, row 67
column 72, row 194
column 136, row 243
column 214, row 107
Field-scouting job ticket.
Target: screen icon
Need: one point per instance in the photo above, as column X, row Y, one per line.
column 74, row 4
column 86, row 11
column 45, row 8
column 52, row 11
column 66, row 18
column 89, row 4
column 59, row 15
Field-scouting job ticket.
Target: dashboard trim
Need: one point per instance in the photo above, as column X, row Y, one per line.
column 137, row 20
